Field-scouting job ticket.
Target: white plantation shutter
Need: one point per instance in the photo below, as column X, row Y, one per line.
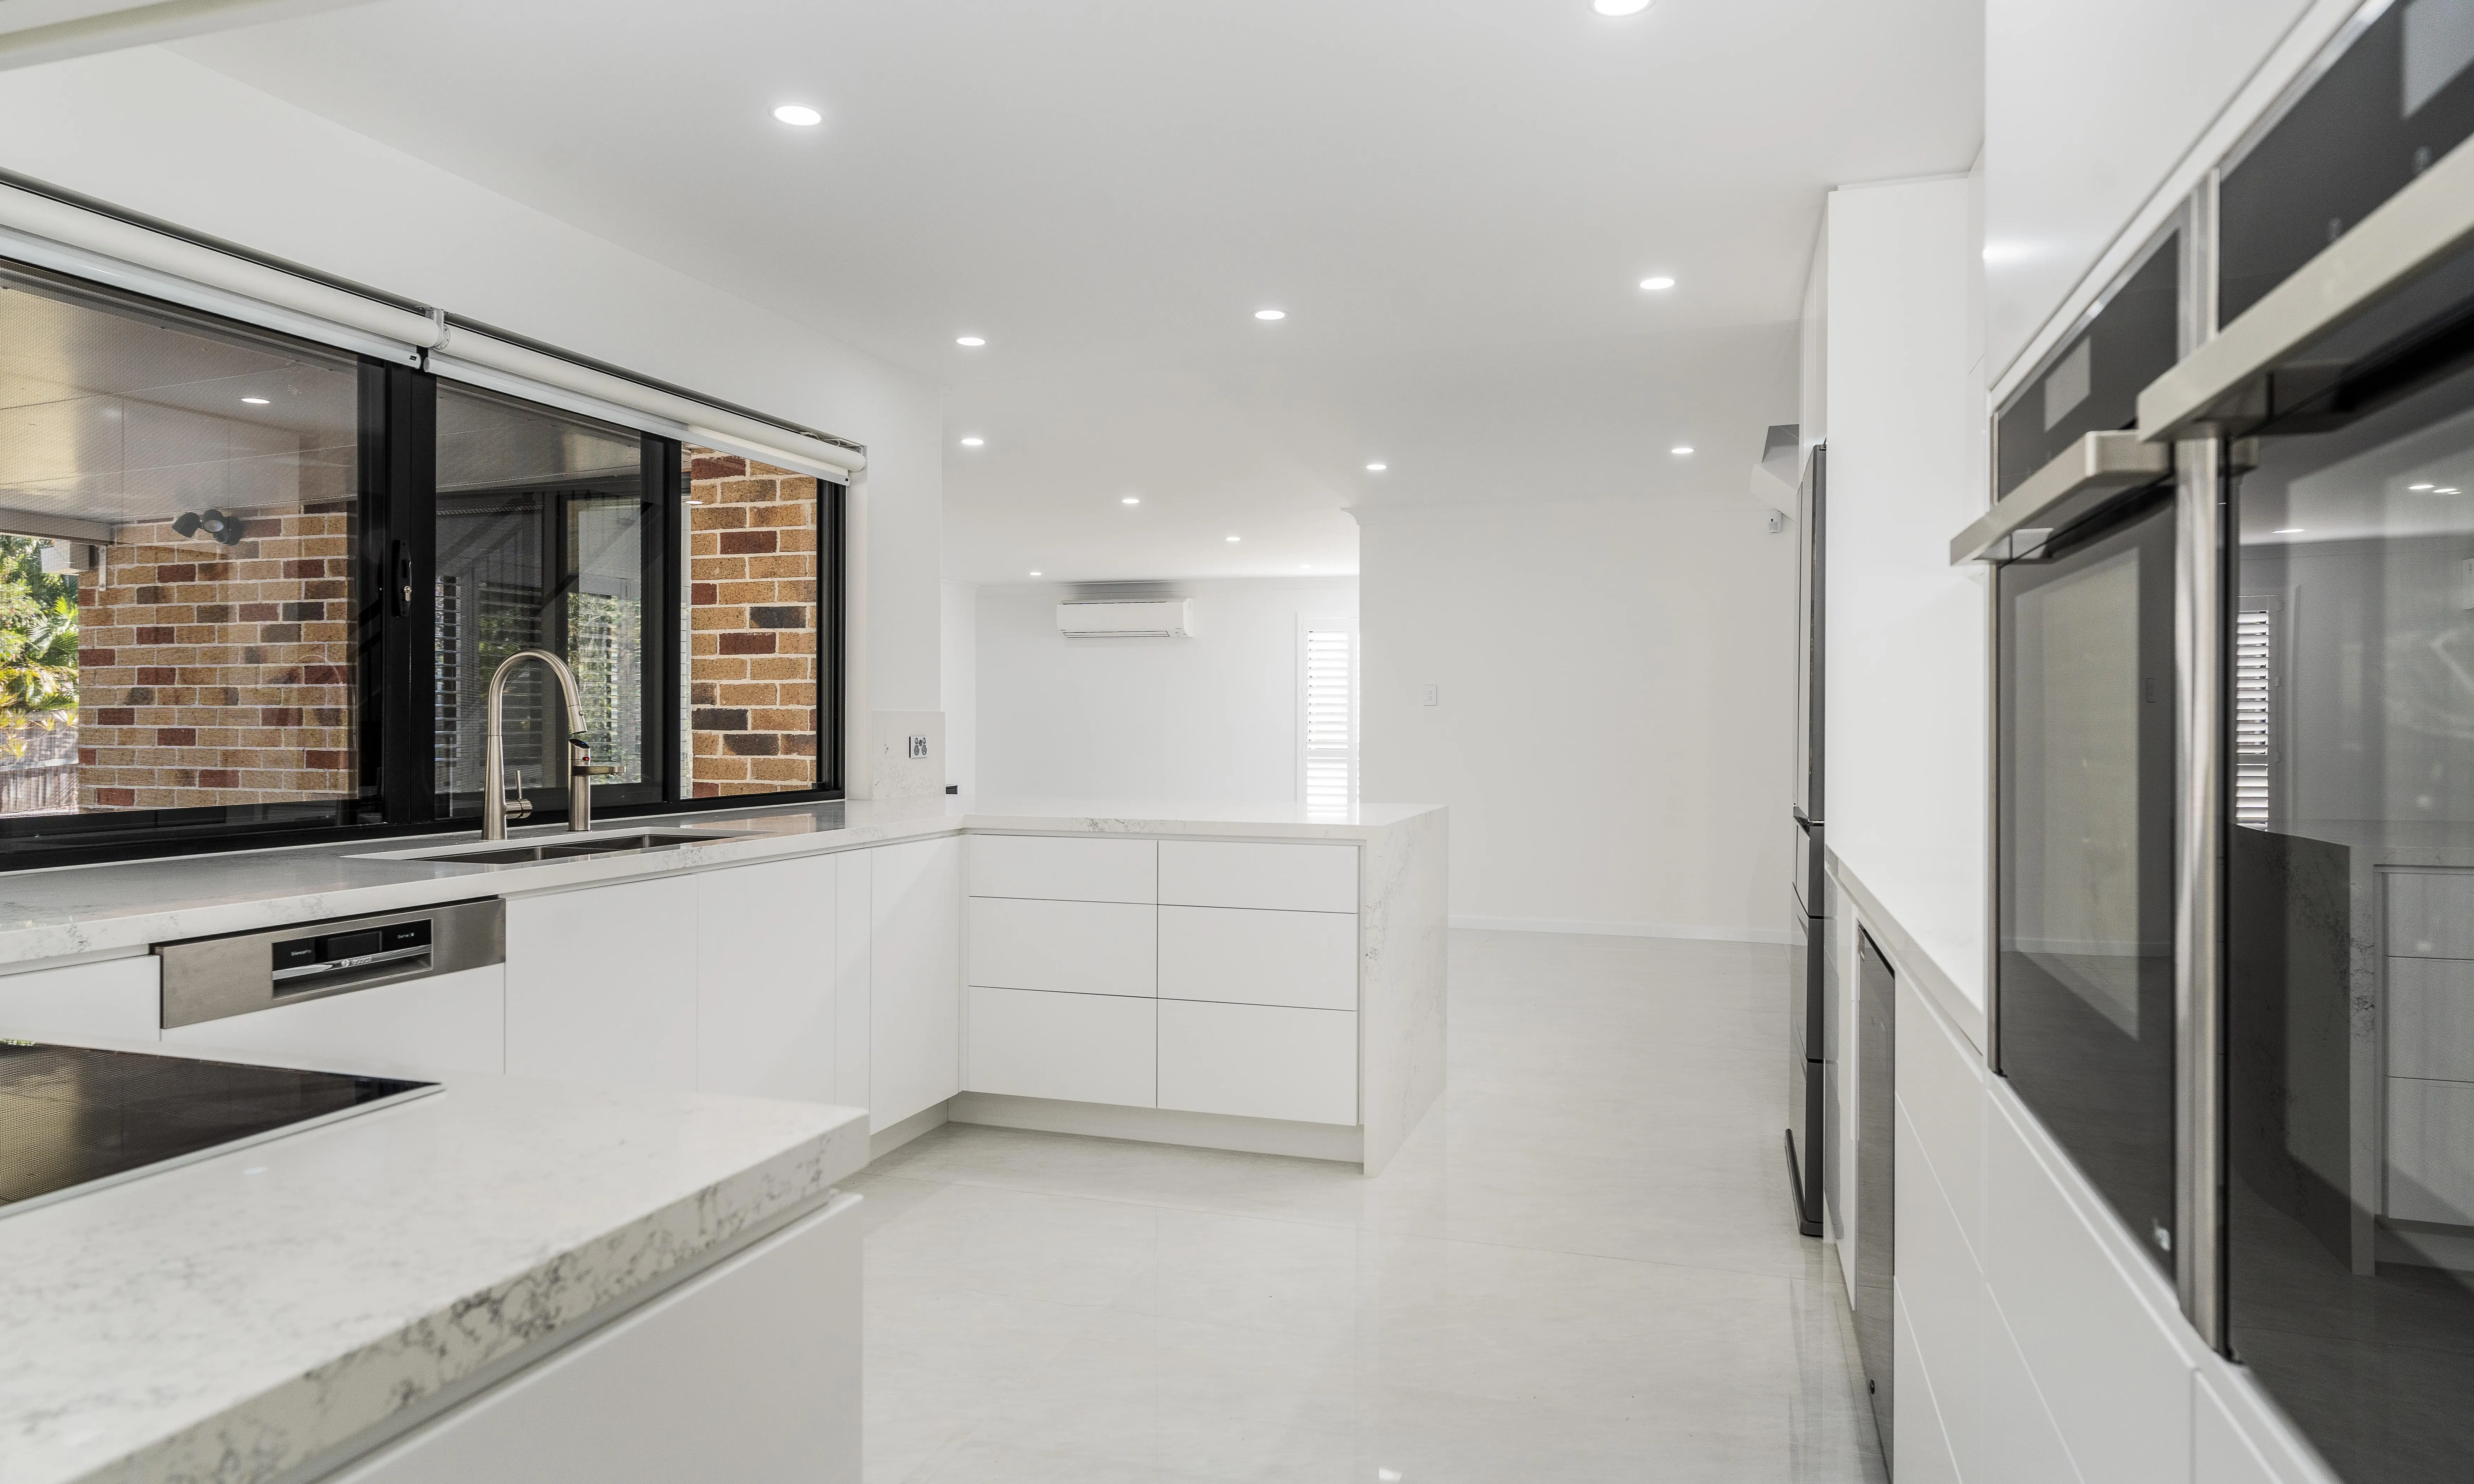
column 1327, row 714
column 2257, row 639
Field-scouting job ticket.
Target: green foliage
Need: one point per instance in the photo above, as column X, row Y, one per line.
column 38, row 638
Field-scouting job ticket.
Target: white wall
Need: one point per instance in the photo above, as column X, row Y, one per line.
column 152, row 131
column 958, row 677
column 1615, row 736
column 2089, row 106
column 1904, row 792
column 1209, row 718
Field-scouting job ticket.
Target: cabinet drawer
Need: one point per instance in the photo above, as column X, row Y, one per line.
column 2431, row 914
column 1063, row 869
column 451, row 1023
column 1085, row 1048
column 1288, row 877
column 1248, row 956
column 1259, row 1061
column 2430, row 1150
column 1080, row 947
column 115, row 1000
column 2431, row 1017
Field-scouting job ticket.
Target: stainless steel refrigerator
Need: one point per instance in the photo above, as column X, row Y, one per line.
column 1808, row 1019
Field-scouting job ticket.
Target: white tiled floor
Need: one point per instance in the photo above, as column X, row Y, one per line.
column 1583, row 1267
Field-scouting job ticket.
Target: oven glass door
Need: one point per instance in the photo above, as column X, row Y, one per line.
column 2084, row 976
column 2349, row 997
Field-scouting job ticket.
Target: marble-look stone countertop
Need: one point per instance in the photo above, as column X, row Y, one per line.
column 66, row 911
column 232, row 1318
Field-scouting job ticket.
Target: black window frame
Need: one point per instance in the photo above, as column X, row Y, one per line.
column 394, row 578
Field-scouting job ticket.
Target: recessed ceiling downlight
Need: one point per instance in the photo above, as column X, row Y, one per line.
column 973, row 342
column 2287, row 530
column 1376, row 468
column 975, row 442
column 1618, row 7
column 1680, row 449
column 1234, row 538
column 1658, row 284
column 1271, row 314
column 798, row 113
column 1131, row 499
column 255, row 401
column 1034, row 574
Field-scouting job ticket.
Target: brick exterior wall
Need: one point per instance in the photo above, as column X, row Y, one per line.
column 752, row 619
column 219, row 675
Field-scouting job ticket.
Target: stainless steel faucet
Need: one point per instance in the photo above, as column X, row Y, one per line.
column 496, row 808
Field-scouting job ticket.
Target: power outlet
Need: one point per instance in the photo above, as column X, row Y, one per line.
column 918, row 745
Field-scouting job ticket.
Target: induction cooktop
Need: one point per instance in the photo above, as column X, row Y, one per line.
column 74, row 1118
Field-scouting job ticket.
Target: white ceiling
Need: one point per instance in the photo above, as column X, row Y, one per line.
column 1454, row 199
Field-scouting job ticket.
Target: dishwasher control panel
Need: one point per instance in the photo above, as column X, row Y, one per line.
column 236, row 974
column 307, row 958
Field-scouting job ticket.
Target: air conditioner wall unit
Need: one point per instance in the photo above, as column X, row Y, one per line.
column 1148, row 618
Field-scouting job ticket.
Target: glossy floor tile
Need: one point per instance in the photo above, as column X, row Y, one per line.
column 1582, row 1267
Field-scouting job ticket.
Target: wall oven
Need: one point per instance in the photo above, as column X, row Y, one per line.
column 2084, row 538
column 2277, row 872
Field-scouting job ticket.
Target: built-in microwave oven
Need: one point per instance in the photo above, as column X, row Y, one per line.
column 2277, row 556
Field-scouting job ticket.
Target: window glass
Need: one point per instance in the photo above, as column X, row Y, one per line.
column 548, row 537
column 756, row 535
column 177, row 624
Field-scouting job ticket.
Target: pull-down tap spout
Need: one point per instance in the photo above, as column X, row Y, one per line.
column 496, row 808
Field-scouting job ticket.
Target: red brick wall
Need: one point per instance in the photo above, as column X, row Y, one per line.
column 752, row 617
column 219, row 675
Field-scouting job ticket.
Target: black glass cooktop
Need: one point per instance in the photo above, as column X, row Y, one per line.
column 72, row 1117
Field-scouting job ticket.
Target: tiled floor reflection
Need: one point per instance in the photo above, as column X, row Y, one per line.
column 1583, row 1267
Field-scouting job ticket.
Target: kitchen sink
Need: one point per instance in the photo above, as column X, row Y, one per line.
column 570, row 846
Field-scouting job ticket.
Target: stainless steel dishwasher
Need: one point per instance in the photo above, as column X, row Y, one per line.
column 419, row 988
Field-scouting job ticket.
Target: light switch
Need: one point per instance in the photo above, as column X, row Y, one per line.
column 1434, row 695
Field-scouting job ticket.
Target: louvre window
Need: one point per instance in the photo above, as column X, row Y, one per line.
column 1328, row 716
column 2256, row 623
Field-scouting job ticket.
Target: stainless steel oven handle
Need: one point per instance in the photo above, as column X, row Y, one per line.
column 2098, row 464
column 2430, row 218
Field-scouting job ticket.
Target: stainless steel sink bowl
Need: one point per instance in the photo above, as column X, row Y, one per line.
column 568, row 847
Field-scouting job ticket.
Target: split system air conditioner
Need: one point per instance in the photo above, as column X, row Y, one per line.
column 1148, row 618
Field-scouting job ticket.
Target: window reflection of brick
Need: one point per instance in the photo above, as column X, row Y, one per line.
column 219, row 675
column 752, row 617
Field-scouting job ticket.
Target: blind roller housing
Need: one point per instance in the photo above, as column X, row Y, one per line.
column 117, row 249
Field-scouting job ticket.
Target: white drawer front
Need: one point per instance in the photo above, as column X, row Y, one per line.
column 1252, row 957
column 2430, row 1150
column 1085, row 1048
column 116, row 999
column 1286, row 878
column 1259, row 1061
column 2431, row 914
column 451, row 1023
column 2431, row 1017
column 1082, row 948
column 1064, row 869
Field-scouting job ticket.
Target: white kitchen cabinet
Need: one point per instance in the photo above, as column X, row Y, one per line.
column 766, row 960
column 2431, row 914
column 749, row 1373
column 1058, row 869
column 1259, row 1061
column 1084, row 1049
column 915, row 978
column 601, row 984
column 454, row 1022
column 852, row 915
column 115, row 999
column 1248, row 956
column 1284, row 878
column 1083, row 948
